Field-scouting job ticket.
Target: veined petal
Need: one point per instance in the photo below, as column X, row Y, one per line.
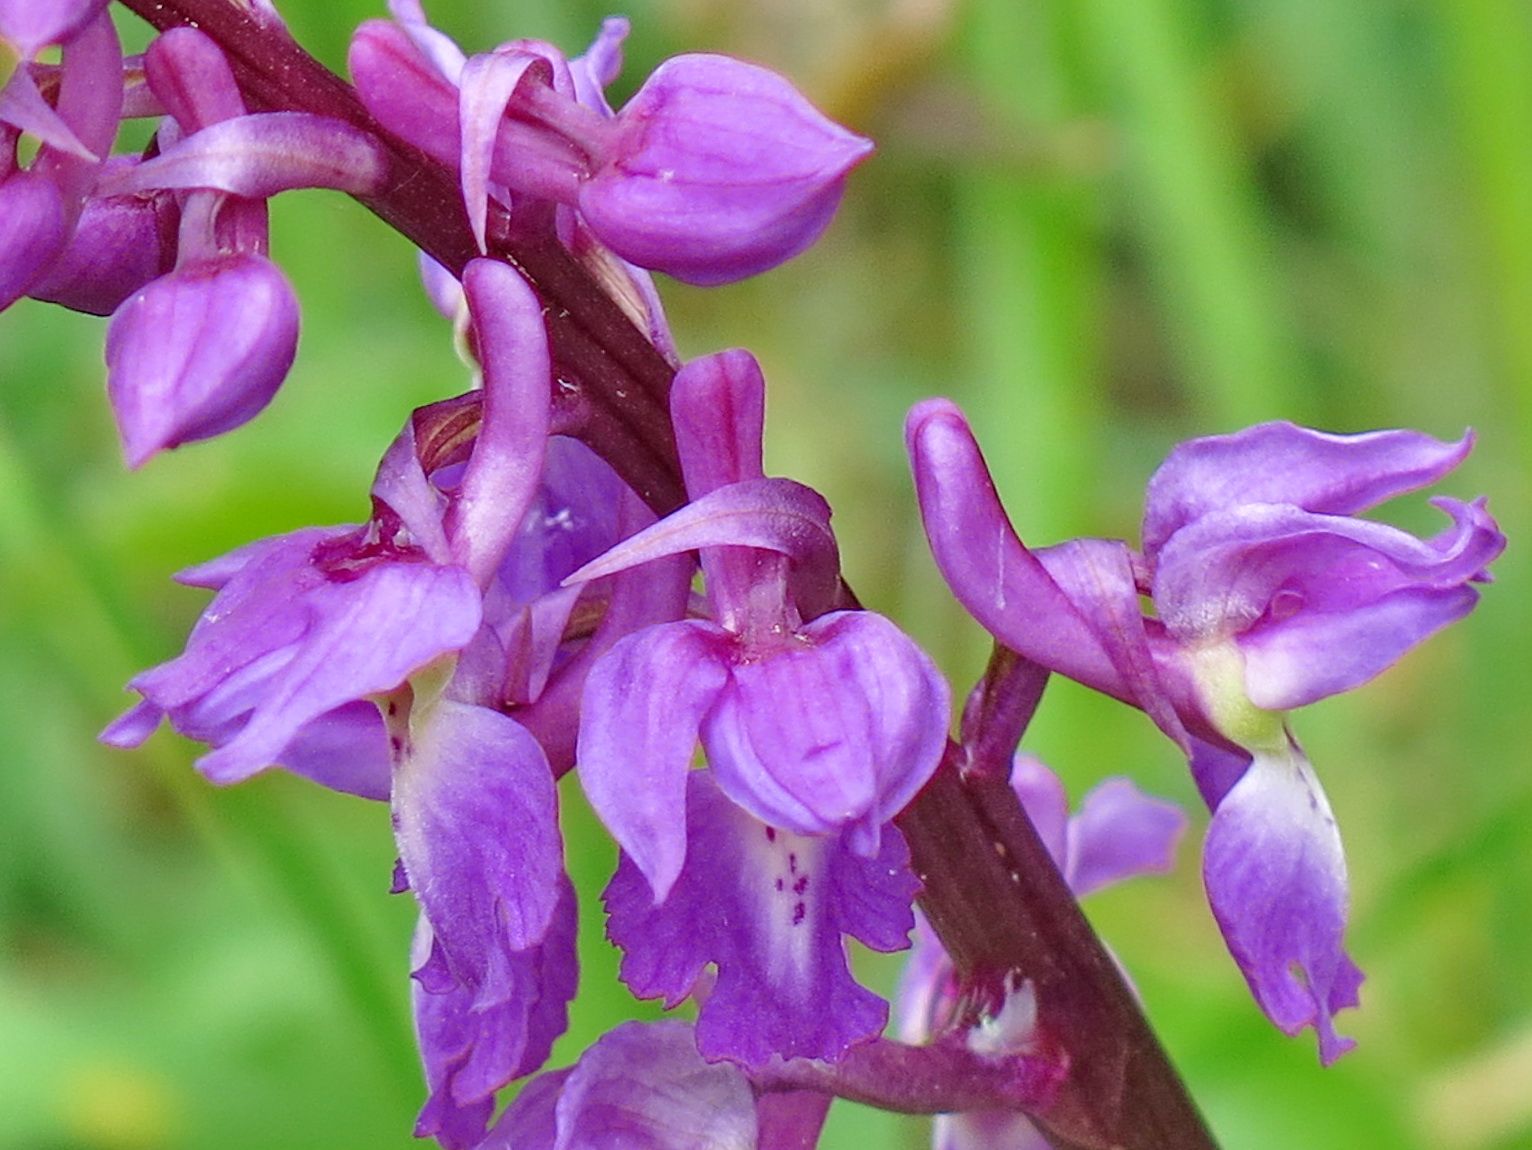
column 1283, row 463
column 530, row 1122
column 721, row 170
column 120, row 244
column 1276, row 879
column 644, row 1086
column 644, row 700
column 1317, row 654
column 1269, row 565
column 1002, row 584
column 770, row 909
column 476, row 818
column 1120, row 832
column 835, row 730
column 773, row 514
column 263, row 153
column 363, row 637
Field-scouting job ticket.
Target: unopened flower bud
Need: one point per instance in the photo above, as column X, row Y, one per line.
column 199, row 352
column 718, row 170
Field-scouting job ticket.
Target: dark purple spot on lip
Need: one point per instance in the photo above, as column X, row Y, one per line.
column 771, row 834
column 801, row 885
column 781, row 885
column 799, row 913
column 396, row 742
column 792, row 863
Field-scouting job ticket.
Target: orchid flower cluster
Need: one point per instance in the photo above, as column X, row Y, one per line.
column 557, row 577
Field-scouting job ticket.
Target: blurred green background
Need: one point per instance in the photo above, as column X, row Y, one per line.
column 1101, row 225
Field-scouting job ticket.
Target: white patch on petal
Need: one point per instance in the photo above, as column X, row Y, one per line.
column 789, row 882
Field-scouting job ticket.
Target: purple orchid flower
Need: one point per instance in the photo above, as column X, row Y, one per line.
column 1268, row 594
column 716, row 169
column 202, row 350
column 1117, row 833
column 817, row 732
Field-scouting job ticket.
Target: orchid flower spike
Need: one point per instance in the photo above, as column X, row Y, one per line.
column 1269, row 593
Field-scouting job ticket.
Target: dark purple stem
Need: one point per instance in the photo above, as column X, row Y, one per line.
column 991, row 890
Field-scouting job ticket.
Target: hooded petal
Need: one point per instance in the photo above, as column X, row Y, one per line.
column 199, row 352
column 836, row 729
column 1002, row 584
column 404, row 89
column 119, row 245
column 1282, row 463
column 1276, row 879
column 505, row 468
column 644, row 701
column 1318, row 654
column 476, row 819
column 770, row 909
